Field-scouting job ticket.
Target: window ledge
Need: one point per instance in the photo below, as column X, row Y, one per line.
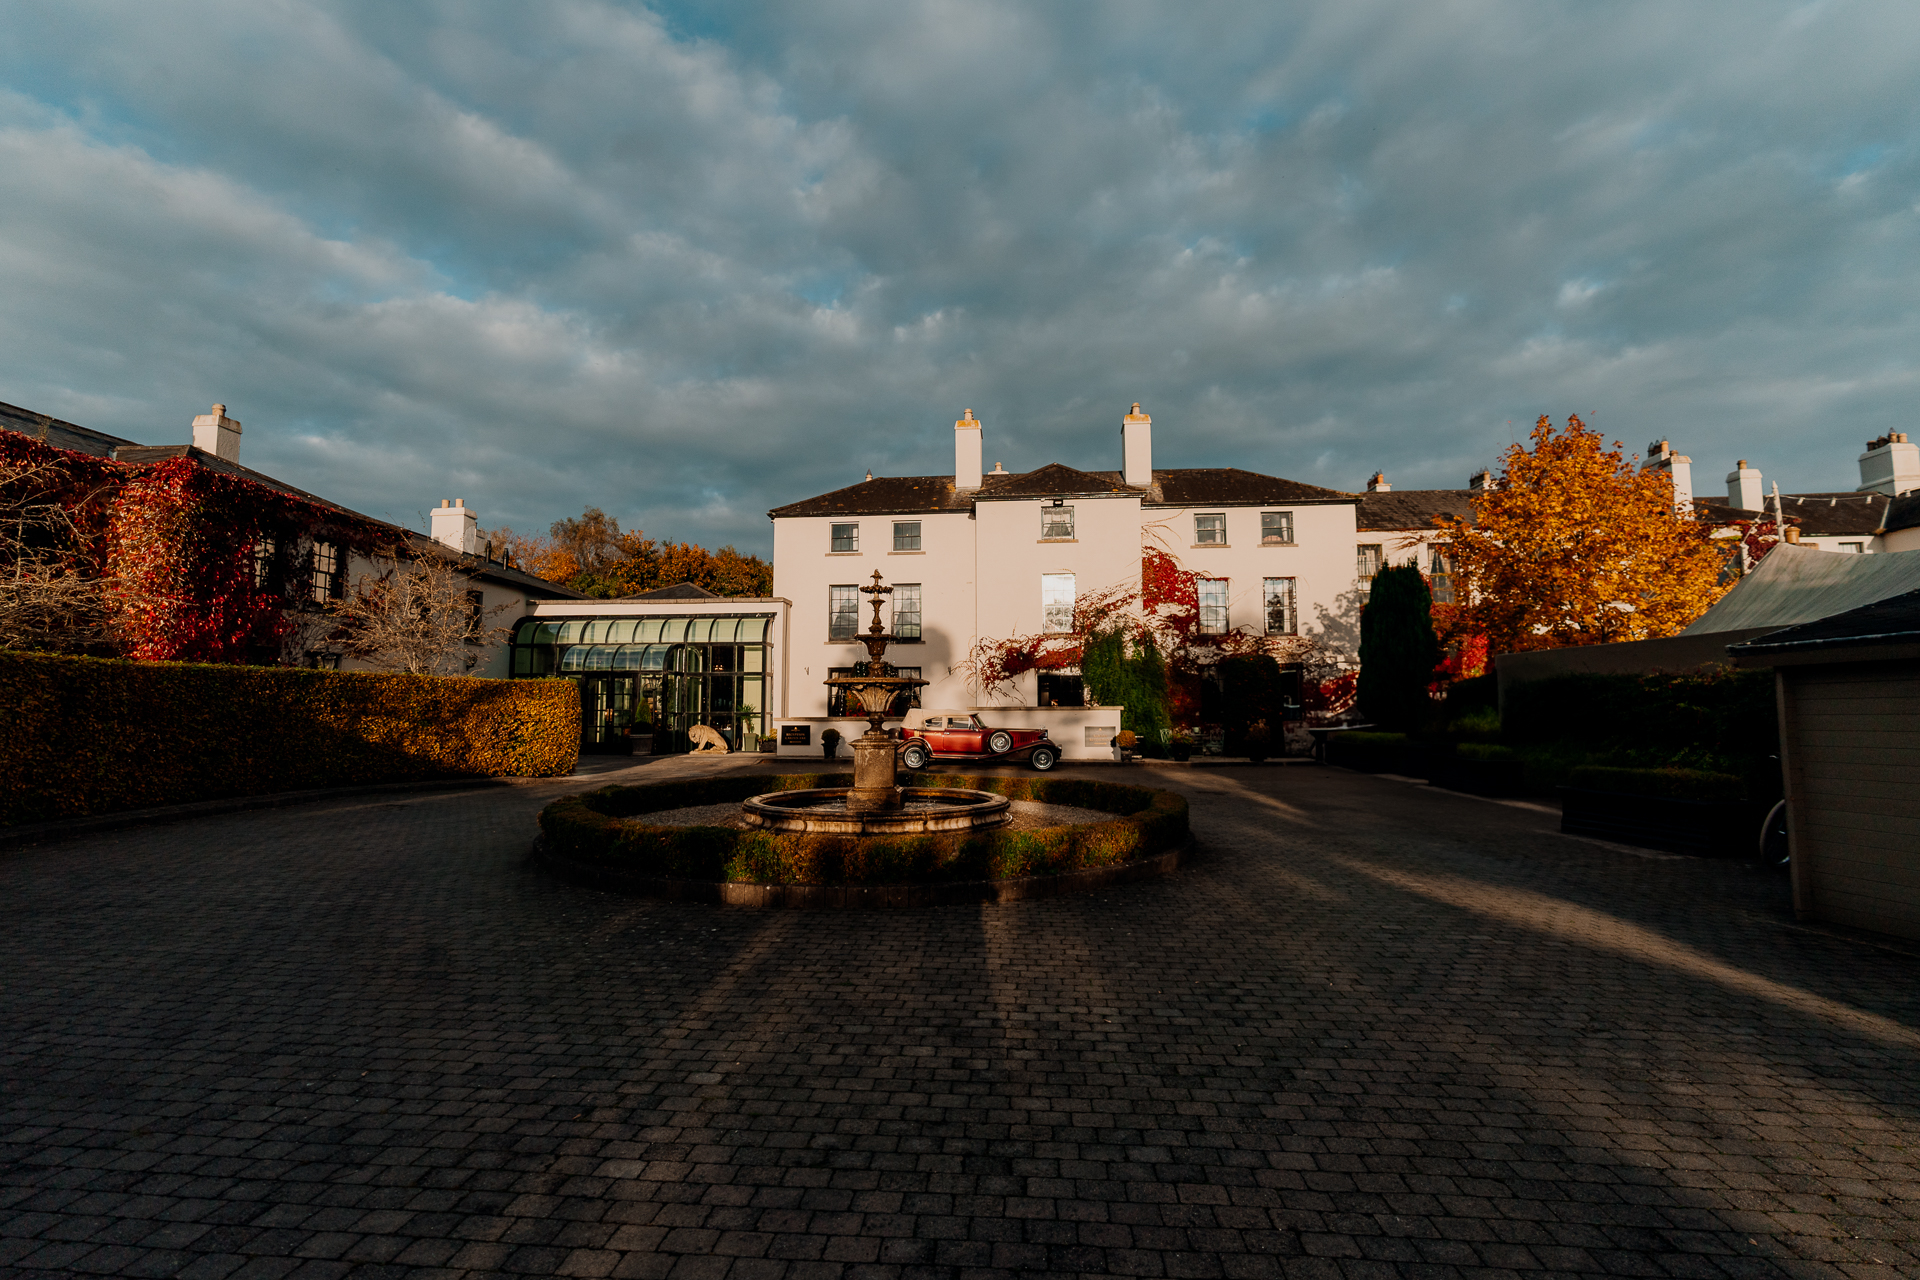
column 1212, row 546
column 1056, row 539
column 893, row 553
column 1275, row 542
column 843, row 553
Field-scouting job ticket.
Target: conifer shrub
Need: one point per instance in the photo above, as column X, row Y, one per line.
column 1398, row 649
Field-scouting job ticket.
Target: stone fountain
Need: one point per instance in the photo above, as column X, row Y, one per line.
column 876, row 804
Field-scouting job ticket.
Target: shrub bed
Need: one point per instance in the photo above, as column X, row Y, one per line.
column 606, row 828
column 94, row 735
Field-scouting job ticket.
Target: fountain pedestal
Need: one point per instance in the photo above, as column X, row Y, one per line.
column 875, row 758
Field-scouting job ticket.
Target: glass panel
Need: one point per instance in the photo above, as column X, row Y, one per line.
column 725, row 630
column 1276, row 526
column 1056, row 601
column 619, row 631
column 843, row 612
column 522, row 661
column 846, row 537
column 753, row 629
column 688, row 658
column 906, row 535
column 753, row 658
column 1213, row 606
column 525, row 630
column 1056, row 522
column 569, row 633
column 1278, row 597
column 654, row 657
column 590, row 631
column 672, row 630
column 752, row 691
column 1210, row 530
column 626, row 658
column 906, row 610
column 601, row 657
column 574, row 659
column 647, row 631
column 697, row 629
column 548, row 633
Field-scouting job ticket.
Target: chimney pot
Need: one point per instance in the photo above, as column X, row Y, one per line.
column 1136, row 448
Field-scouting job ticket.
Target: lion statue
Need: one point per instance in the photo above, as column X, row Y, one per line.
column 709, row 740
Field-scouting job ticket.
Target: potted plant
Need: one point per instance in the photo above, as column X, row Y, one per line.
column 1180, row 747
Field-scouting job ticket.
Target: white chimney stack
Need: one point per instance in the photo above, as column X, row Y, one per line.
column 1482, row 481
column 1136, row 444
column 1890, row 465
column 217, row 434
column 966, row 452
column 1379, row 483
column 1743, row 488
column 455, row 528
column 1677, row 467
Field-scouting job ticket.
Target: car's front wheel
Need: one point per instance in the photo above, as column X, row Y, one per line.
column 914, row 758
column 1043, row 758
column 999, row 742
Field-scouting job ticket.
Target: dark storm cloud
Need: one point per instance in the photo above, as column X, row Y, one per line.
column 686, row 264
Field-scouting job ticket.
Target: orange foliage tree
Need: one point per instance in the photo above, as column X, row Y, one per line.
column 1574, row 545
column 591, row 554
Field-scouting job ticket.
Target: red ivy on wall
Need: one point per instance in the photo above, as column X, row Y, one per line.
column 183, row 549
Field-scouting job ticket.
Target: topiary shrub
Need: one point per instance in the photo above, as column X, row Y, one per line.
column 1398, row 649
column 607, row 828
column 98, row 735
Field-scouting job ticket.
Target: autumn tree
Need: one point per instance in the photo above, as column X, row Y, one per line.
column 1574, row 545
column 51, row 595
column 593, row 555
column 420, row 614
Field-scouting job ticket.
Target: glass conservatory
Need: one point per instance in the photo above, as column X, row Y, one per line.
column 657, row 675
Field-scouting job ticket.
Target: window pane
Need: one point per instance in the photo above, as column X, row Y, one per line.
column 906, row 610
column 654, row 657
column 574, row 659
column 1056, row 601
column 725, row 629
column 1210, row 529
column 1213, row 606
column 1366, row 565
column 549, row 633
column 1056, row 522
column 648, row 630
column 1276, row 526
column 697, row 630
column 1278, row 597
column 906, row 535
column 846, row 537
column 672, row 630
column 843, row 612
column 619, row 631
column 753, row 658
column 569, row 633
column 753, row 629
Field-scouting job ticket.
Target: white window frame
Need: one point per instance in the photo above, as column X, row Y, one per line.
column 1221, row 622
column 1284, row 593
column 1283, row 521
column 1057, row 601
column 905, row 593
column 834, row 538
column 899, row 537
column 1053, row 518
column 843, row 601
column 1221, row 529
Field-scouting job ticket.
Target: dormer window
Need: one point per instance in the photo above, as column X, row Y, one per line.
column 1210, row 530
column 1056, row 520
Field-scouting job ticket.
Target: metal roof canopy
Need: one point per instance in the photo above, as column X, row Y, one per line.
column 1793, row 585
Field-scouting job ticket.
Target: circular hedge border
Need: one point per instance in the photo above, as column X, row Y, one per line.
column 600, row 838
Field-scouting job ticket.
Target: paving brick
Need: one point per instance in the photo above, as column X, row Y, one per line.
column 1372, row 1030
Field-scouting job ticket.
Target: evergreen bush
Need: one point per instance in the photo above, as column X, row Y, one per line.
column 1135, row 681
column 1398, row 649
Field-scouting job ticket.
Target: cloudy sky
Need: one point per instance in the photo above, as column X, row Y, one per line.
column 686, row 262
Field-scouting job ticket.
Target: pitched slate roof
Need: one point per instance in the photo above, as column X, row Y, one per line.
column 1793, row 585
column 1413, row 508
column 1177, row 487
column 1817, row 515
column 1904, row 512
column 1896, row 618
column 61, row 435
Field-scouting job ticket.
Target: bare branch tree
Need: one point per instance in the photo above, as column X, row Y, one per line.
column 47, row 601
column 421, row 614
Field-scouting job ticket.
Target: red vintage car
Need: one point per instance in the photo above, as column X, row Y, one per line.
column 960, row 735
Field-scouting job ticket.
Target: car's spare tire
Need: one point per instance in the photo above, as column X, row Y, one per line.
column 999, row 741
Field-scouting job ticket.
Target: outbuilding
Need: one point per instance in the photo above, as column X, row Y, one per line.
column 1848, row 692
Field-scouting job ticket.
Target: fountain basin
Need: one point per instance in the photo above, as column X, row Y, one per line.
column 923, row 810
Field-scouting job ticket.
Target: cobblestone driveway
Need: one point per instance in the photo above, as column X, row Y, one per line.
column 1376, row 1030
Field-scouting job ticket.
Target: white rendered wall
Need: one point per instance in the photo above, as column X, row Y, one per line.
column 804, row 566
column 1104, row 552
column 1321, row 560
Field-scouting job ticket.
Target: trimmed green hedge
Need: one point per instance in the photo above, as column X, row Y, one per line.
column 1669, row 784
column 601, row 827
column 95, row 735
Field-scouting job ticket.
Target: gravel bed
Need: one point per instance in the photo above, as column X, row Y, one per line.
column 1026, row 816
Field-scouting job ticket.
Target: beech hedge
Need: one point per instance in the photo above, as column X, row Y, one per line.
column 91, row 736
column 607, row 827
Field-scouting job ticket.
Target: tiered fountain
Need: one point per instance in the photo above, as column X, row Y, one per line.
column 876, row 804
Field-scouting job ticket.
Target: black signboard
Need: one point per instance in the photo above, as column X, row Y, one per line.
column 796, row 735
